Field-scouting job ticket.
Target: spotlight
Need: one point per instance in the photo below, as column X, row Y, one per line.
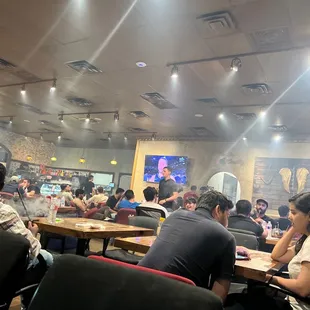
column 109, row 136
column 53, row 88
column 235, row 64
column 153, row 137
column 174, row 72
column 277, row 138
column 116, row 117
column 262, row 113
column 61, row 118
column 113, row 162
column 87, row 118
column 23, row 90
column 221, row 115
column 244, row 138
column 11, row 120
column 125, row 137
column 59, row 136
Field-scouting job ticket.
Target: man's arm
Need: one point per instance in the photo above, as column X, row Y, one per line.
column 221, row 288
column 79, row 203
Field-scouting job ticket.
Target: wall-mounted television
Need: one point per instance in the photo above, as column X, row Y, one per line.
column 155, row 164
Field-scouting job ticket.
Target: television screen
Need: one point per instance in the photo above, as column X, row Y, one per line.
column 155, row 164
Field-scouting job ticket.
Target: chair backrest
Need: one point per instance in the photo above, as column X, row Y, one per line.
column 104, row 286
column 123, row 214
column 14, row 253
column 161, row 273
column 145, row 222
column 5, row 195
column 150, row 212
column 245, row 238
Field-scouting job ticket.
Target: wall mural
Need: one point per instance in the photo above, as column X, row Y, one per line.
column 278, row 179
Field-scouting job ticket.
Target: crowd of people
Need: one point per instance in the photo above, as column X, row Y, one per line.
column 194, row 241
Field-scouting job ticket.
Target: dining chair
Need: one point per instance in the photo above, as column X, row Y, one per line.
column 245, row 238
column 145, row 222
column 150, row 212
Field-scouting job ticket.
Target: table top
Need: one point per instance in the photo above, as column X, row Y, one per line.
column 66, row 209
column 66, row 226
column 255, row 269
column 274, row 241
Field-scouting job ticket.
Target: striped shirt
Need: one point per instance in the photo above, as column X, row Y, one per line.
column 11, row 222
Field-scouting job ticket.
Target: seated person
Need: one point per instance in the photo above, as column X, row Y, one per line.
column 79, row 202
column 128, row 201
column 194, row 245
column 66, row 193
column 30, row 188
column 191, row 194
column 11, row 222
column 298, row 256
column 114, row 199
column 151, row 198
column 99, row 198
column 259, row 213
column 190, row 204
column 12, row 186
column 242, row 220
column 283, row 222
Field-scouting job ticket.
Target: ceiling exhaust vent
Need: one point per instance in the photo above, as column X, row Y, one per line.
column 48, row 123
column 83, row 67
column 202, row 131
column 278, row 128
column 88, row 130
column 256, row 89
column 138, row 114
column 31, row 108
column 6, row 65
column 136, row 129
column 80, row 102
column 208, row 101
column 158, row 101
column 216, row 23
column 245, row 116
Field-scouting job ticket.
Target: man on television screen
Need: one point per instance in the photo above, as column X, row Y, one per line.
column 168, row 191
column 162, row 163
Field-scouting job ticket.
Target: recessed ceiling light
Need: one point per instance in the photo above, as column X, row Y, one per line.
column 277, row 138
column 244, row 138
column 141, row 64
column 199, row 115
column 26, row 120
column 221, row 116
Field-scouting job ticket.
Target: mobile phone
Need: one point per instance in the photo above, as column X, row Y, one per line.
column 240, row 257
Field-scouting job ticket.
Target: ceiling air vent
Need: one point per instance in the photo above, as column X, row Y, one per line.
column 216, row 23
column 138, row 114
column 6, row 65
column 202, row 131
column 80, row 102
column 208, row 101
column 47, row 130
column 136, row 129
column 83, row 67
column 245, row 116
column 48, row 123
column 158, row 101
column 278, row 128
column 31, row 108
column 66, row 139
column 88, row 130
column 256, row 89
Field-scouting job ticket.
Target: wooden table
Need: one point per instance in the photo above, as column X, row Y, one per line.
column 66, row 209
column 255, row 269
column 67, row 227
column 274, row 241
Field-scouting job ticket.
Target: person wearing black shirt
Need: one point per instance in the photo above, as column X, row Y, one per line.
column 259, row 213
column 89, row 187
column 197, row 245
column 168, row 191
column 242, row 220
column 283, row 222
column 113, row 200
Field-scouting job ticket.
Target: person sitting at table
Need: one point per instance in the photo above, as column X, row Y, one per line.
column 283, row 222
column 79, row 202
column 190, row 204
column 114, row 199
column 259, row 213
column 197, row 245
column 297, row 257
column 242, row 220
column 128, row 201
column 151, row 197
column 98, row 198
column 66, row 193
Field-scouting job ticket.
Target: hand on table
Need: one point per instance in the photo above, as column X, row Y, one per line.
column 243, row 251
column 33, row 228
column 161, row 202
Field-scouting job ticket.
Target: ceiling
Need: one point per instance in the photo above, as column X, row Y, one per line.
column 40, row 37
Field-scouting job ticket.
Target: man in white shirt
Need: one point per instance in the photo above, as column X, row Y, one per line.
column 150, row 195
column 99, row 198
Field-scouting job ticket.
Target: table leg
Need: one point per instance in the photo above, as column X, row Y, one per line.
column 81, row 247
column 105, row 245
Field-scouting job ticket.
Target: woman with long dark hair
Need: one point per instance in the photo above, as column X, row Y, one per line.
column 297, row 257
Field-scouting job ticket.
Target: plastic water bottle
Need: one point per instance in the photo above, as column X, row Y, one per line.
column 51, row 218
column 269, row 228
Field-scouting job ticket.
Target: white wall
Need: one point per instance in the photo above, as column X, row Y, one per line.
column 96, row 159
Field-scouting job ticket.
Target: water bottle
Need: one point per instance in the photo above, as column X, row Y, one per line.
column 269, row 228
column 62, row 202
column 53, row 210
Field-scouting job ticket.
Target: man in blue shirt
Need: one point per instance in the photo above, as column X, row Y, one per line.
column 128, row 202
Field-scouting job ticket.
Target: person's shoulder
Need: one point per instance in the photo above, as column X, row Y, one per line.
column 4, row 208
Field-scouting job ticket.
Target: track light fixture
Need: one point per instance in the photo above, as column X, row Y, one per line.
column 221, row 115
column 125, row 137
column 109, row 136
column 174, row 72
column 53, row 88
column 116, row 117
column 235, row 64
column 88, row 117
column 11, row 120
column 23, row 90
column 61, row 118
column 59, row 136
column 153, row 137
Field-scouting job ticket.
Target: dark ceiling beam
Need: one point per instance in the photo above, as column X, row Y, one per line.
column 27, row 83
column 194, row 61
column 83, row 113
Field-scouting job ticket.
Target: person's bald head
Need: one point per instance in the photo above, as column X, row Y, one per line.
column 2, row 176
